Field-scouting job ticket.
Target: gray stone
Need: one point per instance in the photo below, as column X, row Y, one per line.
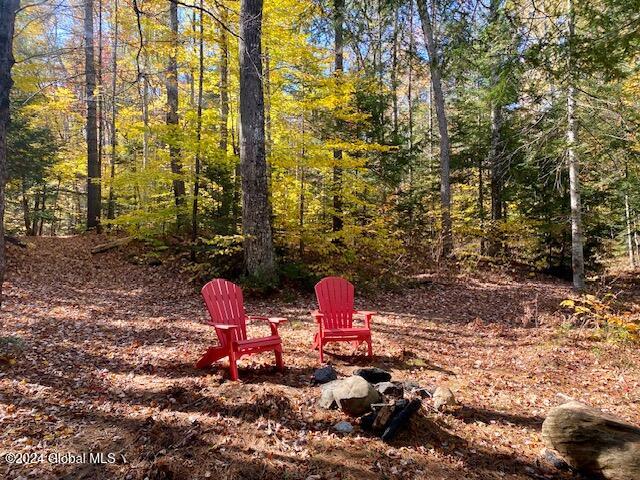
column 593, row 442
column 390, row 389
column 326, row 395
column 415, row 389
column 384, row 416
column 443, row 397
column 354, row 395
column 343, row 427
column 373, row 374
column 324, row 375
column 552, row 458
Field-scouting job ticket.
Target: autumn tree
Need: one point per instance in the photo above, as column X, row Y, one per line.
column 8, row 9
column 256, row 223
column 94, row 170
column 435, row 70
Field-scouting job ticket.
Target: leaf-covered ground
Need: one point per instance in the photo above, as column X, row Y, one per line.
column 105, row 357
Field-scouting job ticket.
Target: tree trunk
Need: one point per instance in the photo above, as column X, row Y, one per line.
column 627, row 216
column 438, row 96
column 338, row 19
column 93, row 160
column 301, row 167
column 111, row 209
column 394, row 75
column 256, row 222
column 223, row 68
column 26, row 211
column 171, row 82
column 43, row 207
column 8, row 10
column 494, row 155
column 577, row 260
column 196, row 180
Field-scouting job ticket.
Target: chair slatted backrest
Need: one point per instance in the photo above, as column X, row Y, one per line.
column 335, row 301
column 226, row 306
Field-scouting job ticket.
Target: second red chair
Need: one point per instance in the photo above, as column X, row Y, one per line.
column 335, row 316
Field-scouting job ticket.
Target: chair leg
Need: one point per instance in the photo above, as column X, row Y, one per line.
column 369, row 348
column 321, row 348
column 233, row 366
column 315, row 341
column 279, row 362
column 206, row 360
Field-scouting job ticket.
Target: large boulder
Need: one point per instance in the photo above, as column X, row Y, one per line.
column 592, row 442
column 354, row 395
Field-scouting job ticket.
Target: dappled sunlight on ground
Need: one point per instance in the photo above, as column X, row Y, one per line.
column 107, row 366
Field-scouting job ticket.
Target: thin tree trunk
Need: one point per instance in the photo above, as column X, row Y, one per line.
column 171, row 82
column 26, row 211
column 93, row 160
column 43, row 208
column 627, row 216
column 145, row 119
column 481, row 194
column 36, row 214
column 52, row 232
column 111, row 210
column 230, row 200
column 394, row 74
column 494, row 155
column 196, row 180
column 301, row 165
column 636, row 240
column 100, row 96
column 223, row 67
column 256, row 222
column 436, row 83
column 577, row 260
column 338, row 19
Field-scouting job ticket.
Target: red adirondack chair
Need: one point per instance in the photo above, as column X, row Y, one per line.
column 226, row 308
column 335, row 316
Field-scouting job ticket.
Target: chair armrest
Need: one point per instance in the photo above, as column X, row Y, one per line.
column 277, row 320
column 273, row 322
column 317, row 315
column 227, row 331
column 224, row 326
column 367, row 316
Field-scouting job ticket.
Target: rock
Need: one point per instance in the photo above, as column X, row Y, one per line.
column 415, row 389
column 593, row 442
column 383, row 416
column 343, row 427
column 443, row 397
column 326, row 395
column 401, row 420
column 366, row 421
column 552, row 458
column 373, row 374
column 354, row 395
column 390, row 389
column 323, row 375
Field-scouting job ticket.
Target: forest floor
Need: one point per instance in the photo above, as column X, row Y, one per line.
column 108, row 348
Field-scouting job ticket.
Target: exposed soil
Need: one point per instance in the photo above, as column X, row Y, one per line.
column 106, row 365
